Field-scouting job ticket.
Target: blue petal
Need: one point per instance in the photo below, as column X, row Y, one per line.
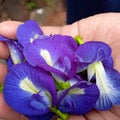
column 93, row 51
column 47, row 54
column 4, row 39
column 108, row 62
column 80, row 98
column 108, row 82
column 28, row 32
column 18, row 45
column 90, row 52
column 47, row 116
column 7, row 40
column 25, row 88
column 82, row 66
column 15, row 53
column 9, row 63
column 66, row 40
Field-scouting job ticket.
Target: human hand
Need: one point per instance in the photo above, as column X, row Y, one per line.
column 103, row 27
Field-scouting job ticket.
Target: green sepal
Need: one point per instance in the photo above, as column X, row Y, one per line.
column 79, row 39
column 1, row 87
column 62, row 85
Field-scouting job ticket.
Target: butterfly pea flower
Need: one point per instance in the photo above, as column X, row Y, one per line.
column 53, row 55
column 16, row 54
column 30, row 91
column 79, row 99
column 28, row 32
column 16, row 51
column 96, row 58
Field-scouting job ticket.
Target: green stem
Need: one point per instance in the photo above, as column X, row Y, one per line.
column 1, row 87
column 63, row 116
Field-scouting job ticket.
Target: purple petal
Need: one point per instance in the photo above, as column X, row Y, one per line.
column 108, row 82
column 47, row 54
column 32, row 95
column 18, row 45
column 81, row 66
column 108, row 62
column 80, row 98
column 9, row 63
column 28, row 32
column 4, row 39
column 47, row 116
column 15, row 53
column 66, row 40
column 93, row 51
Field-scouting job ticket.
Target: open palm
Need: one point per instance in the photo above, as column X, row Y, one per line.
column 102, row 27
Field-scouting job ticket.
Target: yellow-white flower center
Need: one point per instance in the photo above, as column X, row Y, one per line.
column 27, row 85
column 46, row 55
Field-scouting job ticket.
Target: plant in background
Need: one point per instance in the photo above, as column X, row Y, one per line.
column 31, row 4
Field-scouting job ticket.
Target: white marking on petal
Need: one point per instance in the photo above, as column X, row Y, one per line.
column 46, row 55
column 76, row 91
column 91, row 71
column 27, row 85
column 46, row 97
column 35, row 37
column 14, row 54
column 109, row 93
column 15, row 58
column 101, row 79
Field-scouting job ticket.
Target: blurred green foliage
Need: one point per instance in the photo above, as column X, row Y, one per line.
column 31, row 4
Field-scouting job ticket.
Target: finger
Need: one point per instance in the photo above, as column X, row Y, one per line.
column 102, row 27
column 6, row 112
column 116, row 110
column 73, row 117
column 93, row 115
column 3, row 72
column 115, row 53
column 4, row 51
column 23, row 118
column 71, row 30
column 108, row 115
column 50, row 30
column 9, row 28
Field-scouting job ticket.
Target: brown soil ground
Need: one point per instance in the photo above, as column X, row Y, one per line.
column 45, row 12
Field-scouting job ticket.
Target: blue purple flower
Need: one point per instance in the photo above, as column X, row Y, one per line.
column 79, row 99
column 96, row 58
column 28, row 32
column 27, row 85
column 53, row 54
column 51, row 75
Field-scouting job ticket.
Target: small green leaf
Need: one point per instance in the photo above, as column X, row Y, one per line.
column 79, row 39
column 62, row 85
column 1, row 87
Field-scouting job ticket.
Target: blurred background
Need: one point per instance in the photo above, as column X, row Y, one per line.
column 45, row 12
